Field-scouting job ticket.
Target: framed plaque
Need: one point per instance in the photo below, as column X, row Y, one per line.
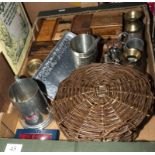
column 15, row 34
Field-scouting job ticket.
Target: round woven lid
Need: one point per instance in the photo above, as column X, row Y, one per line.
column 102, row 102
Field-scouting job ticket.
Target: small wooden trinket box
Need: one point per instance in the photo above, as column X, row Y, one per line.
column 81, row 24
column 47, row 30
column 107, row 25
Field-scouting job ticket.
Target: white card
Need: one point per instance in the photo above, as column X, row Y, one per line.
column 13, row 148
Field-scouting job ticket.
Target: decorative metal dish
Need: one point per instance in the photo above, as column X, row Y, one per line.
column 57, row 66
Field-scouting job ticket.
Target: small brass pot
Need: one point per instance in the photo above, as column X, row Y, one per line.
column 133, row 15
column 134, row 26
column 131, row 54
column 33, row 65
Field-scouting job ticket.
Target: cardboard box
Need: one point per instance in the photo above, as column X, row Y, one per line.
column 9, row 119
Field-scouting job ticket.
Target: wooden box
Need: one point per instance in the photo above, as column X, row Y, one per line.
column 9, row 119
column 107, row 24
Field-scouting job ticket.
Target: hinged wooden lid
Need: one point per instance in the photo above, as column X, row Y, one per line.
column 105, row 20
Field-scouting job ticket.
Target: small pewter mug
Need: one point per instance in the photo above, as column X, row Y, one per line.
column 131, row 40
column 135, row 43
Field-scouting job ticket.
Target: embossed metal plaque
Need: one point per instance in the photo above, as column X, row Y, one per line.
column 57, row 66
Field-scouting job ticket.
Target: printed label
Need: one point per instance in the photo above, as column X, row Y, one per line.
column 13, row 148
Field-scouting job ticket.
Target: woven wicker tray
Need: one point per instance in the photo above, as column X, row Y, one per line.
column 103, row 102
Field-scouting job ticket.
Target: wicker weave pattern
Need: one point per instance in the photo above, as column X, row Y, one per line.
column 102, row 102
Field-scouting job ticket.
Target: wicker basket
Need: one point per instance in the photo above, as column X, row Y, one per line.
column 103, row 102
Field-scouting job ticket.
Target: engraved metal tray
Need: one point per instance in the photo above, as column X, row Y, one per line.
column 57, row 66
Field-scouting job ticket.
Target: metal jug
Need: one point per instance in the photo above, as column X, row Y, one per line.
column 26, row 95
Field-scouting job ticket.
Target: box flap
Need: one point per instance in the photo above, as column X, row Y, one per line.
column 15, row 34
column 6, row 78
column 8, row 123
